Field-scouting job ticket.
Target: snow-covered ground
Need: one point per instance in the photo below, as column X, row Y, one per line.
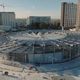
column 67, row 71
column 17, row 71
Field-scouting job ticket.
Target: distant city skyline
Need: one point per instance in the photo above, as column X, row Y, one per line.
column 25, row 8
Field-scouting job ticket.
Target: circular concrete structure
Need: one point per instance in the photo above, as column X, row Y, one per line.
column 42, row 47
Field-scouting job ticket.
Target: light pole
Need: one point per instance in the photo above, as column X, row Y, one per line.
column 43, row 51
column 78, row 47
column 71, row 45
column 62, row 28
column 53, row 53
column 33, row 52
column 63, row 49
column 25, row 56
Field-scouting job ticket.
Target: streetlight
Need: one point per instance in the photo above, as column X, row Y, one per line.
column 71, row 45
column 33, row 51
column 77, row 43
column 62, row 28
column 53, row 52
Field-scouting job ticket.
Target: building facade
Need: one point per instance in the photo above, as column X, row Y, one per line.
column 78, row 15
column 68, row 14
column 7, row 19
column 38, row 19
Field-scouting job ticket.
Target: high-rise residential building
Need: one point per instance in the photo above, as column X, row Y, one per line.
column 68, row 14
column 78, row 15
column 7, row 19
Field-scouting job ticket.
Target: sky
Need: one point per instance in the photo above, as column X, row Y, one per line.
column 25, row 8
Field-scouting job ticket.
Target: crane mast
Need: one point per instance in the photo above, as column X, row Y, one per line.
column 3, row 6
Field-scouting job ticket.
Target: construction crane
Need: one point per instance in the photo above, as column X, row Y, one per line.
column 3, row 6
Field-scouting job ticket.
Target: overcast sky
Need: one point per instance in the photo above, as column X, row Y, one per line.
column 25, row 8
